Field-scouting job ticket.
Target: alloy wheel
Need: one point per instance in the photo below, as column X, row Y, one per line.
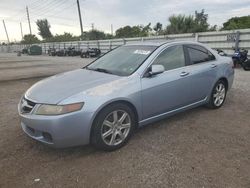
column 219, row 94
column 116, row 127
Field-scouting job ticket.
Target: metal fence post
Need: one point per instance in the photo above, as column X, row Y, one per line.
column 98, row 44
column 196, row 37
column 110, row 45
column 237, row 41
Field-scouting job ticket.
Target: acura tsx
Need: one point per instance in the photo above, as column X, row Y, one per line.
column 131, row 86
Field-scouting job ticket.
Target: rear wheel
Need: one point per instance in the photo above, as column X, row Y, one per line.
column 218, row 95
column 245, row 67
column 113, row 127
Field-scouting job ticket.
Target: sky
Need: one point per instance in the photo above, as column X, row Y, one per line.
column 63, row 14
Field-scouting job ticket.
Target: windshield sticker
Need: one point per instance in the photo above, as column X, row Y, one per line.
column 142, row 52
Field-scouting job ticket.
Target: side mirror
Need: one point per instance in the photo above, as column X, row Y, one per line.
column 155, row 69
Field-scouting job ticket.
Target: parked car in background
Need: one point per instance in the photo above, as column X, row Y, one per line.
column 51, row 51
column 71, row 51
column 61, row 52
column 90, row 52
column 129, row 87
column 25, row 51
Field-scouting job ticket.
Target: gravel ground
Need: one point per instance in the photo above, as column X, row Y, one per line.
column 197, row 148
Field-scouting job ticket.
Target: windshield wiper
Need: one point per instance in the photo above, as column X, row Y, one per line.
column 100, row 70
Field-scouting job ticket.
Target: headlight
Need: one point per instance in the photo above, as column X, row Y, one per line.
column 46, row 109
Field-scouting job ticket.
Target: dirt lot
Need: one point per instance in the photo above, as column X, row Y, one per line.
column 198, row 148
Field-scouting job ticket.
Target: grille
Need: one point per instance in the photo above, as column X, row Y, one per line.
column 27, row 105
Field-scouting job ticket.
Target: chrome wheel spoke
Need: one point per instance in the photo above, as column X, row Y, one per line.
column 107, row 133
column 223, row 90
column 125, row 126
column 216, row 95
column 112, row 140
column 108, row 123
column 121, row 135
column 216, row 101
column 124, row 115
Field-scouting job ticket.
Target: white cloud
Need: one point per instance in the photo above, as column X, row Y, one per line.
column 103, row 13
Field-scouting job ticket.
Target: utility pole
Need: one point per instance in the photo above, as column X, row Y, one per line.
column 21, row 30
column 6, row 32
column 80, row 16
column 112, row 30
column 28, row 16
column 92, row 26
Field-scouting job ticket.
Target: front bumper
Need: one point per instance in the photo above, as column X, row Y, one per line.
column 58, row 131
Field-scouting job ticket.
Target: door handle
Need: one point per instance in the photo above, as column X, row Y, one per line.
column 213, row 65
column 184, row 74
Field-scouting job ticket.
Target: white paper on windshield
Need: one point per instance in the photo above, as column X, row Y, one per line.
column 142, row 52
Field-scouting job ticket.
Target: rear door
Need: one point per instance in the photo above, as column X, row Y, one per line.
column 202, row 68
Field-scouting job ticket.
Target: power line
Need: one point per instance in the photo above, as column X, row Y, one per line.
column 47, row 9
column 51, row 16
column 43, row 5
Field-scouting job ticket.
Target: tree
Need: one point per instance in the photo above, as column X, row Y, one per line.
column 200, row 20
column 237, row 23
column 135, row 31
column 63, row 38
column 94, row 35
column 189, row 24
column 44, row 28
column 158, row 28
column 181, row 24
column 30, row 39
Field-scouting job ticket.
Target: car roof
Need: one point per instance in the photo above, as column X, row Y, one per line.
column 160, row 43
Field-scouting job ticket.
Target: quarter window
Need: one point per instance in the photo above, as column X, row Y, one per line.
column 198, row 54
column 171, row 58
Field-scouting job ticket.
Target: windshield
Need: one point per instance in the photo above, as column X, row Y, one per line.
column 122, row 61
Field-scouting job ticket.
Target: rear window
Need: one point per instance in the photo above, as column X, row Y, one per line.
column 199, row 54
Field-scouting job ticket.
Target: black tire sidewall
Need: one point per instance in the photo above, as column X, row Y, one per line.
column 96, row 137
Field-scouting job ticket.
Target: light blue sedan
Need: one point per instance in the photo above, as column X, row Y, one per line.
column 131, row 86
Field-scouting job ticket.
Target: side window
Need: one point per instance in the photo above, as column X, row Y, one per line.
column 199, row 54
column 171, row 58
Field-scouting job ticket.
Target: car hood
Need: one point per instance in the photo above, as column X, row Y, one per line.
column 56, row 88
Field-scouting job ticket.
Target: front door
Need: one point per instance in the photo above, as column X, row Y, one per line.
column 169, row 90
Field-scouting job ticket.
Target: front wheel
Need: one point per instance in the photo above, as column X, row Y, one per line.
column 113, row 127
column 218, row 95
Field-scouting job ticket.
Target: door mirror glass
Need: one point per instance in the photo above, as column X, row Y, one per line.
column 157, row 69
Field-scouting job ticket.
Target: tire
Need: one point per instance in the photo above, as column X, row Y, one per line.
column 218, row 95
column 111, row 136
column 245, row 67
